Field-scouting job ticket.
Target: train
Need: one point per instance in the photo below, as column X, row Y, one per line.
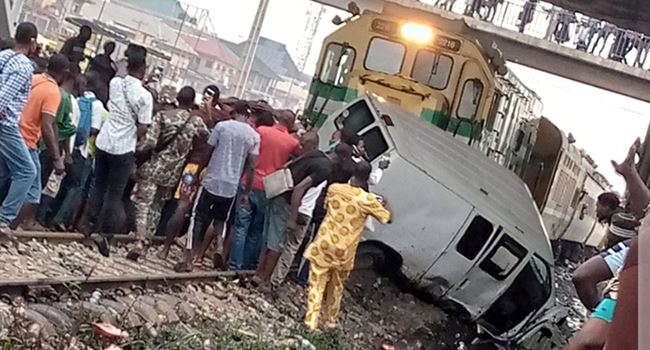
column 565, row 184
column 462, row 86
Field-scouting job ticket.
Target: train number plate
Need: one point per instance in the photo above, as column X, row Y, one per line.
column 384, row 27
column 447, row 43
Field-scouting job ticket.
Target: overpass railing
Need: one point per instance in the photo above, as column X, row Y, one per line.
column 552, row 23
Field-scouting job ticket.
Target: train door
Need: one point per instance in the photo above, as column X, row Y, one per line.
column 469, row 99
column 460, row 254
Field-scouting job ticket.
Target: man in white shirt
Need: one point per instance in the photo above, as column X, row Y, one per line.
column 131, row 111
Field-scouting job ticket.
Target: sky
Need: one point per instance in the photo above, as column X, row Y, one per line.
column 603, row 123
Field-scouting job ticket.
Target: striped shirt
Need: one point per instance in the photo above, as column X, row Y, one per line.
column 15, row 83
column 130, row 104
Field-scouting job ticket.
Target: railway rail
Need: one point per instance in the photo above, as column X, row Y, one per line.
column 44, row 262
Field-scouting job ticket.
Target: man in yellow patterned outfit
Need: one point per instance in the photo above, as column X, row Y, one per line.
column 333, row 251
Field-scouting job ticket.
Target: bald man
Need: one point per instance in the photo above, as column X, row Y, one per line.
column 277, row 146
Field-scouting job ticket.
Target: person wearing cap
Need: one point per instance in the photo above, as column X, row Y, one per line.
column 622, row 227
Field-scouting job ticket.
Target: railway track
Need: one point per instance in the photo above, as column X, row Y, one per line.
column 61, row 261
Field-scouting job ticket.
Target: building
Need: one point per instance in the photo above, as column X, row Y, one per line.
column 274, row 76
column 214, row 63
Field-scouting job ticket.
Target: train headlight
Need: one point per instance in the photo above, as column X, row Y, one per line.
column 417, row 33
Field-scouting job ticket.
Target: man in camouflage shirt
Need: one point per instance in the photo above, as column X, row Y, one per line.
column 169, row 139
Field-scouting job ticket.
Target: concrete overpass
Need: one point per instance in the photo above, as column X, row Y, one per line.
column 531, row 51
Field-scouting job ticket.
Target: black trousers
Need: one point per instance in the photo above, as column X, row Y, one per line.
column 112, row 173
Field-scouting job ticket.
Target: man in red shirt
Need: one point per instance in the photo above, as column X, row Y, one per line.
column 277, row 145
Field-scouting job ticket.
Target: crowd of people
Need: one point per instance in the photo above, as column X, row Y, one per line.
column 101, row 153
column 240, row 173
column 565, row 27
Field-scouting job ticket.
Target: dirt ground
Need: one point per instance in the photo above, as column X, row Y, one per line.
column 377, row 313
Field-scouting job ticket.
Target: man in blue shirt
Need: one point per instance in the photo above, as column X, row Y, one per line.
column 16, row 165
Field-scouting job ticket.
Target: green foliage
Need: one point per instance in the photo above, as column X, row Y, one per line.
column 9, row 343
column 329, row 340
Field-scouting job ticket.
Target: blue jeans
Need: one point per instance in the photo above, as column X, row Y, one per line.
column 36, row 189
column 249, row 225
column 17, row 171
column 71, row 191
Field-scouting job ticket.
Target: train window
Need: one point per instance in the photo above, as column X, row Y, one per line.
column 470, row 99
column 337, row 64
column 375, row 142
column 504, row 258
column 432, row 69
column 475, row 237
column 527, row 294
column 385, row 56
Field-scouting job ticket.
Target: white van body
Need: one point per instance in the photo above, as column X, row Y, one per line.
column 465, row 227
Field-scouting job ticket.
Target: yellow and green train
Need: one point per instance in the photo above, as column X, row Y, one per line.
column 446, row 78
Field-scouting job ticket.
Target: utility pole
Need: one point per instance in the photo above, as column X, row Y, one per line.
column 314, row 16
column 249, row 56
column 101, row 11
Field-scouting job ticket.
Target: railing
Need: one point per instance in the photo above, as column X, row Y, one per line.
column 548, row 22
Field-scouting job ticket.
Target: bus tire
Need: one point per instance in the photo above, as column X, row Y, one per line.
column 378, row 257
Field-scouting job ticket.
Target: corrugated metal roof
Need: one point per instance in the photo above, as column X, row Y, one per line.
column 495, row 191
column 126, row 16
column 213, row 48
column 167, row 8
column 259, row 66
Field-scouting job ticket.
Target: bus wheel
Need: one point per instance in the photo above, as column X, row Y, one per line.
column 370, row 257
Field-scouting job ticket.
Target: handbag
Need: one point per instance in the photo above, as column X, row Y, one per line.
column 280, row 181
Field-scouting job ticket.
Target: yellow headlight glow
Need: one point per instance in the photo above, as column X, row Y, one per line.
column 418, row 33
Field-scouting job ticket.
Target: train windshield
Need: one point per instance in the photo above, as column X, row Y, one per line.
column 432, row 69
column 470, row 99
column 527, row 294
column 337, row 64
column 385, row 56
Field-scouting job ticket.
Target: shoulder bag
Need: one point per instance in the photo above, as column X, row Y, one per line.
column 280, row 181
column 143, row 156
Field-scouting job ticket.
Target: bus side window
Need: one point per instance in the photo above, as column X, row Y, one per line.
column 356, row 118
column 504, row 258
column 470, row 99
column 337, row 64
column 375, row 143
column 475, row 237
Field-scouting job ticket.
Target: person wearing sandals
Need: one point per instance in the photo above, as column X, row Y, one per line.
column 168, row 141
